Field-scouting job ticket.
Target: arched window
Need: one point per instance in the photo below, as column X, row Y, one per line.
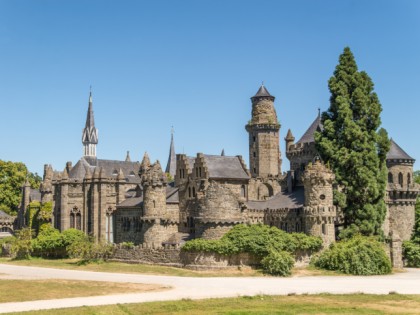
column 408, row 179
column 189, row 192
column 400, row 179
column 193, row 191
column 243, row 191
column 390, row 178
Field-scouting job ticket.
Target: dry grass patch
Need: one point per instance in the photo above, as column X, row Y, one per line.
column 31, row 290
column 285, row 305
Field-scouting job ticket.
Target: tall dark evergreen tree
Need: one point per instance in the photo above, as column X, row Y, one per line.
column 355, row 148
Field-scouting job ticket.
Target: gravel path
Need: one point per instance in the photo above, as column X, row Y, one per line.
column 200, row 288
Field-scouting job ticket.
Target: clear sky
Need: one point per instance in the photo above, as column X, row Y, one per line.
column 192, row 65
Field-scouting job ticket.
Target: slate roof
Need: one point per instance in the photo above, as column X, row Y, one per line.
column 4, row 215
column 110, row 168
column 228, row 167
column 262, row 91
column 282, row 200
column 396, row 153
column 171, row 197
column 308, row 136
column 34, row 195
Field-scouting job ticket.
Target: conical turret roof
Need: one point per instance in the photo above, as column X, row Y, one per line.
column 397, row 153
column 289, row 136
column 90, row 134
column 262, row 92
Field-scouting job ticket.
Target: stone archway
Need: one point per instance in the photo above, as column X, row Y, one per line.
column 265, row 191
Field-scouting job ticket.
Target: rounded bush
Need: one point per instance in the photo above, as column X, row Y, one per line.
column 358, row 256
column 278, row 263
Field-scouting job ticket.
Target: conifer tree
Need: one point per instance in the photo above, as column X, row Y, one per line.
column 355, row 148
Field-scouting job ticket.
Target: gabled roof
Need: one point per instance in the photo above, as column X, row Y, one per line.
column 396, row 153
column 308, row 136
column 110, row 168
column 228, row 167
column 281, row 200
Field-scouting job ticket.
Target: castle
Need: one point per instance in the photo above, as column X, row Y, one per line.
column 206, row 195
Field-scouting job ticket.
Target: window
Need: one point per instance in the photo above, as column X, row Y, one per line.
column 390, row 178
column 243, row 191
column 253, row 138
column 324, row 229
column 189, row 192
column 199, row 171
column 255, row 170
column 193, row 190
column 408, row 179
column 255, row 154
column 400, row 179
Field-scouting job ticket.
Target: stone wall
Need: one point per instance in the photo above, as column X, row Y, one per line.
column 169, row 256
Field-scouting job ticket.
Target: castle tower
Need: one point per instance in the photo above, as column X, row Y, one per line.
column 319, row 211
column 171, row 165
column 290, row 140
column 90, row 133
column 263, row 130
column 401, row 194
column 155, row 228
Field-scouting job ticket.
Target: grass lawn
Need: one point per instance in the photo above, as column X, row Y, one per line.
column 154, row 269
column 299, row 304
column 31, row 290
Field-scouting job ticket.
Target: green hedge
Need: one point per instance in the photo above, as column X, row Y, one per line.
column 358, row 256
column 275, row 245
column 256, row 239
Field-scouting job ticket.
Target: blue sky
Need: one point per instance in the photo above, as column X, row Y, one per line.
column 192, row 65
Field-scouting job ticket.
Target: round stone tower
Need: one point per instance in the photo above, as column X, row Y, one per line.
column 319, row 211
column 263, row 130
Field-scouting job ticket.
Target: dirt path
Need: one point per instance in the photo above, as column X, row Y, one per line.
column 199, row 288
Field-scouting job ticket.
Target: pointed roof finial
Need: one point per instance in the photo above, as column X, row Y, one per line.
column 263, row 92
column 127, row 158
column 319, row 111
column 171, row 165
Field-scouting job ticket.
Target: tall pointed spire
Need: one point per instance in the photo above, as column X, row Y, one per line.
column 90, row 133
column 127, row 158
column 171, row 165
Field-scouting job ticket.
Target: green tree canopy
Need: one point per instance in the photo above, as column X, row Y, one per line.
column 355, row 148
column 12, row 177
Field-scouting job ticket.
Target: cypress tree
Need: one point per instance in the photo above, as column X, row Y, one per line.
column 354, row 147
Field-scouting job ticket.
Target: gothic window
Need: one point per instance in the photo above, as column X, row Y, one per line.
column 255, row 154
column 193, row 191
column 72, row 220
column 390, row 178
column 189, row 192
column 78, row 221
column 408, row 179
column 199, row 170
column 243, row 191
column 400, row 179
column 324, row 229
column 180, row 173
column 253, row 138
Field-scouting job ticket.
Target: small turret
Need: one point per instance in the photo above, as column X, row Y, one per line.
column 154, row 184
column 290, row 139
column 128, row 158
column 145, row 164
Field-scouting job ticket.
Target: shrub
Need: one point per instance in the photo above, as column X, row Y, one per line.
column 88, row 251
column 6, row 244
column 411, row 253
column 22, row 245
column 358, row 256
column 278, row 263
column 48, row 243
column 71, row 236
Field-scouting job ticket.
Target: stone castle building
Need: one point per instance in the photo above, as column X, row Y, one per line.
column 206, row 195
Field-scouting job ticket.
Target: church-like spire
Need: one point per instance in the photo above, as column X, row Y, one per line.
column 128, row 158
column 171, row 165
column 90, row 133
